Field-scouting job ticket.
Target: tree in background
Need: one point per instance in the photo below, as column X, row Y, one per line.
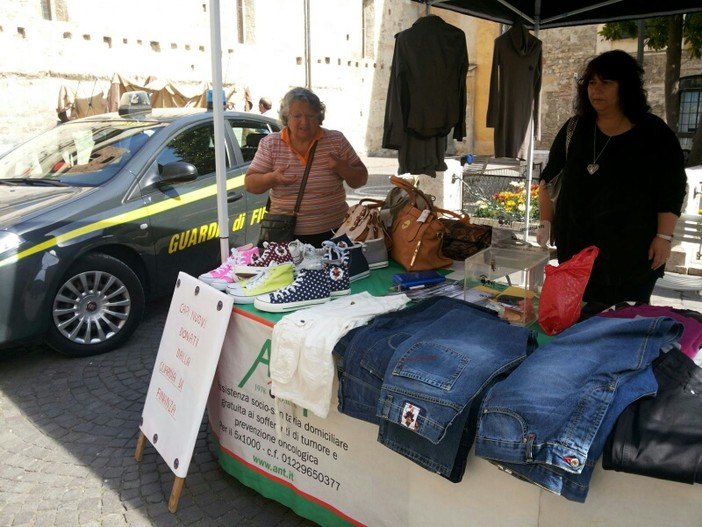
column 671, row 33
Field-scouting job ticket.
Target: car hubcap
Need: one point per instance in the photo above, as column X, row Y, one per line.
column 91, row 307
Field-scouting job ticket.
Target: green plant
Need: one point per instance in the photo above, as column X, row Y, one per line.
column 510, row 204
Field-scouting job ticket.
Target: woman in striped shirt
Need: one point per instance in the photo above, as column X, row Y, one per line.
column 280, row 161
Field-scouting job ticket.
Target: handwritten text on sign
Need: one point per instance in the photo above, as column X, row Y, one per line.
column 185, row 365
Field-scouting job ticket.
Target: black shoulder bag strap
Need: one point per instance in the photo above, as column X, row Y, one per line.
column 302, row 185
column 569, row 132
column 304, row 178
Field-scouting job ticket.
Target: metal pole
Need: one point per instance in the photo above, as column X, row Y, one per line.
column 218, row 116
column 530, row 151
column 308, row 53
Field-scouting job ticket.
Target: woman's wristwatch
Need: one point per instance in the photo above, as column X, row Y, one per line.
column 668, row 237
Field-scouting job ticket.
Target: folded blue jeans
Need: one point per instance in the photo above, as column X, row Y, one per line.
column 363, row 353
column 548, row 421
column 449, row 457
column 434, row 381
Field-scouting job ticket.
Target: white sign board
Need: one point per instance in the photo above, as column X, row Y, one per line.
column 185, row 366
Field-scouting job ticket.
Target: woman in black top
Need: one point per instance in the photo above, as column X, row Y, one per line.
column 623, row 183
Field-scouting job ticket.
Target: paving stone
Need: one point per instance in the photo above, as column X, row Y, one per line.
column 68, row 434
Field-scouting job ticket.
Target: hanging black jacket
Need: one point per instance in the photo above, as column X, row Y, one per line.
column 426, row 94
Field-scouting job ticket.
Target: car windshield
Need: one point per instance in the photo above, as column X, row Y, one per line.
column 85, row 153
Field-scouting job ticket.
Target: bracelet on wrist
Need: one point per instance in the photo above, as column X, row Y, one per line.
column 667, row 237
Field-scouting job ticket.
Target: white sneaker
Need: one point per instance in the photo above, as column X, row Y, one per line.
column 304, row 254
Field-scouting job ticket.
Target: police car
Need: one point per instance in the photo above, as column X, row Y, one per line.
column 98, row 216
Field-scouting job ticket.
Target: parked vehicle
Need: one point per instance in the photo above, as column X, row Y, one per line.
column 98, row 216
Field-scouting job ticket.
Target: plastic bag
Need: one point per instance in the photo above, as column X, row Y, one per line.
column 562, row 293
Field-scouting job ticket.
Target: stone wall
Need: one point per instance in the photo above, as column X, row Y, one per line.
column 263, row 52
column 566, row 51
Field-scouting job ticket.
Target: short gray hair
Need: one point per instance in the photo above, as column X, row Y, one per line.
column 304, row 95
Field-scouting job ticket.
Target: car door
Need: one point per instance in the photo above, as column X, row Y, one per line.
column 247, row 133
column 183, row 217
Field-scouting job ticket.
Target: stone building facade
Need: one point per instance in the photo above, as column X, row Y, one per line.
column 82, row 44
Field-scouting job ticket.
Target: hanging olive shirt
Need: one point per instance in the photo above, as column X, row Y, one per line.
column 515, row 86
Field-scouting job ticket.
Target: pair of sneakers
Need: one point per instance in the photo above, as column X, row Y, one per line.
column 224, row 275
column 322, row 275
column 273, row 269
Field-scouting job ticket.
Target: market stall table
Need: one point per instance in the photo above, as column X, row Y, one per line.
column 334, row 472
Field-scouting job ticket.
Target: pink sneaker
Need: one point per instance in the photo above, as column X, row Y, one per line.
column 224, row 274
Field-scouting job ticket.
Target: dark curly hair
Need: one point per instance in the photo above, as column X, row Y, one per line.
column 304, row 95
column 616, row 65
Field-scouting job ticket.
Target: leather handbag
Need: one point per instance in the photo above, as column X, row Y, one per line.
column 280, row 228
column 463, row 238
column 397, row 198
column 417, row 235
column 362, row 222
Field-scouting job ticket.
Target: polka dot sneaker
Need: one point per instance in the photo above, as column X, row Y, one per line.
column 224, row 275
column 310, row 287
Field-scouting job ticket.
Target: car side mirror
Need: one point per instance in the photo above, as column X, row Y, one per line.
column 178, row 172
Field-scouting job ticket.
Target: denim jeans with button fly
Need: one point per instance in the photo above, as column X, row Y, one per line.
column 548, row 421
column 434, row 381
column 364, row 352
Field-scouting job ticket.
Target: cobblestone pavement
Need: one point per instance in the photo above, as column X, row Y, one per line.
column 68, row 433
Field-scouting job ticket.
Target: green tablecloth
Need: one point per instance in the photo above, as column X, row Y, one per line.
column 379, row 283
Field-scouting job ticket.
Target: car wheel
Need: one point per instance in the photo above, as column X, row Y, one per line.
column 97, row 306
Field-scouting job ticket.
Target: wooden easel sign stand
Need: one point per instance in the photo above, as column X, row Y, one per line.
column 182, row 376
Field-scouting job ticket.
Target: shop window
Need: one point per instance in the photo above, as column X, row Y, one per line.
column 690, row 109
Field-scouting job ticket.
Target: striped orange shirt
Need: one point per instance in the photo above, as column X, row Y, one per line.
column 323, row 206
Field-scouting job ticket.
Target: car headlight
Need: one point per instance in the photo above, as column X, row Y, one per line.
column 9, row 241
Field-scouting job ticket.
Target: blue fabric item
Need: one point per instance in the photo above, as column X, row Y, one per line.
column 548, row 421
column 363, row 355
column 364, row 352
column 434, row 384
column 444, row 364
column 449, row 457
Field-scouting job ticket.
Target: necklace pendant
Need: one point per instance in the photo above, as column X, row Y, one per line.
column 592, row 168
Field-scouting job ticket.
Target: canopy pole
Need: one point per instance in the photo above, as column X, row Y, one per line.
column 308, row 51
column 640, row 42
column 218, row 116
column 530, row 150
